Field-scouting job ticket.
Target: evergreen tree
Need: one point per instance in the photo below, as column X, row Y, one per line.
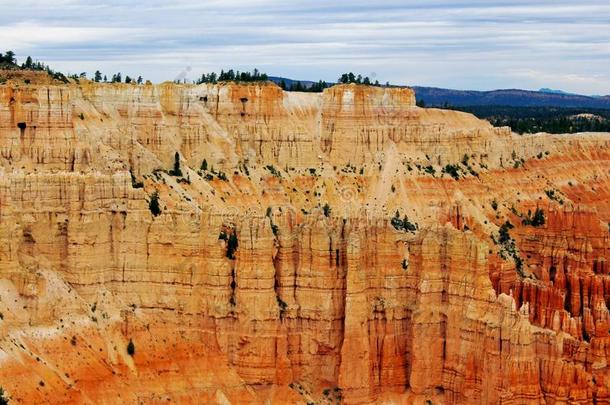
column 131, row 348
column 139, row 81
column 9, row 57
column 97, row 76
column 176, row 171
column 28, row 63
column 153, row 205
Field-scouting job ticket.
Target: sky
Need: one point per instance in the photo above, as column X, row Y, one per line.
column 460, row 44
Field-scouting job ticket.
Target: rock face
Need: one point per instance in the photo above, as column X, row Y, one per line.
column 346, row 247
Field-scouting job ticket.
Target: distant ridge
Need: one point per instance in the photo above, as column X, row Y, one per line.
column 509, row 97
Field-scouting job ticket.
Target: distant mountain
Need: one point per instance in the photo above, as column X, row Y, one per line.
column 511, row 97
column 553, row 91
column 289, row 82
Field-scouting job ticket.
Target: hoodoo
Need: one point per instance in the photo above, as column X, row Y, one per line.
column 235, row 243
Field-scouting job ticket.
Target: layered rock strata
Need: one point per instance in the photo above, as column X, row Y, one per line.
column 346, row 247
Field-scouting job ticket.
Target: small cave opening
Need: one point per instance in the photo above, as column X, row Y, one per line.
column 204, row 99
column 22, row 126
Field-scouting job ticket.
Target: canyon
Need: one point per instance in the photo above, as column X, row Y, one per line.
column 266, row 247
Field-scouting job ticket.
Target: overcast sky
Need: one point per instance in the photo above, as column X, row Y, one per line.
column 463, row 44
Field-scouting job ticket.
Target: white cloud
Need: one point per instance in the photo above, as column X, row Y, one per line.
column 26, row 35
column 453, row 43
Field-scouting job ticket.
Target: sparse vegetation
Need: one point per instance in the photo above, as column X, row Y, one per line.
column 232, row 244
column 233, row 76
column 430, row 170
column 3, row 397
column 535, row 221
column 554, row 120
column 273, row 170
column 131, row 348
column 358, row 79
column 554, row 196
column 403, row 224
column 452, row 170
column 326, row 210
column 153, row 205
column 282, row 306
column 508, row 247
column 176, row 171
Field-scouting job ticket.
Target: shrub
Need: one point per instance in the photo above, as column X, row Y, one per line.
column 504, row 235
column 327, row 210
column 273, row 170
column 176, row 170
column 430, row 170
column 494, row 205
column 222, row 176
column 131, row 348
column 537, row 220
column 403, row 224
column 232, row 244
column 3, row 398
column 282, row 305
column 154, row 206
column 204, row 165
column 452, row 170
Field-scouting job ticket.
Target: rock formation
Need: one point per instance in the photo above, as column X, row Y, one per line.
column 346, row 246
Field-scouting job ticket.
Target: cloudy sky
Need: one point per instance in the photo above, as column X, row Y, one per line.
column 463, row 44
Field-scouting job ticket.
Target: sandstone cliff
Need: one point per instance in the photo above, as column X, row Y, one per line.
column 338, row 247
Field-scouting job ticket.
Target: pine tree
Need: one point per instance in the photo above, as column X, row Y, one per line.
column 97, row 77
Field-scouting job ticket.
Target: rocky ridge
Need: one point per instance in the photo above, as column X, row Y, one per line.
column 344, row 246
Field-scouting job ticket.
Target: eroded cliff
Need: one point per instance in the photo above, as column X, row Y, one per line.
column 344, row 246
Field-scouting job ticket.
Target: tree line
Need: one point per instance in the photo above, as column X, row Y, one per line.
column 8, row 60
column 553, row 120
column 315, row 87
column 233, row 76
column 347, row 78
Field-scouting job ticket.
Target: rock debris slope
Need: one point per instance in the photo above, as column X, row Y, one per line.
column 346, row 247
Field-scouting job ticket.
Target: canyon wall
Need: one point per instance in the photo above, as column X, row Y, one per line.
column 345, row 246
